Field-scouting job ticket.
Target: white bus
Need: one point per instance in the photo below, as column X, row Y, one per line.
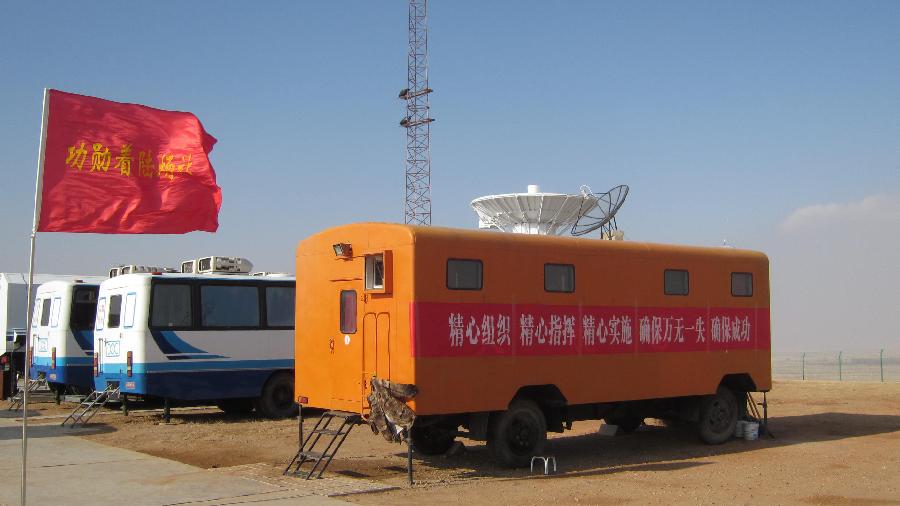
column 62, row 333
column 211, row 336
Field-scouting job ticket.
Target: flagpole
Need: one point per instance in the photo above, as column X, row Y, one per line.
column 38, row 186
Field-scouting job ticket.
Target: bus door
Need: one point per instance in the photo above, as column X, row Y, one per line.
column 346, row 349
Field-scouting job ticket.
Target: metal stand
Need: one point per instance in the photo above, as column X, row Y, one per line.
column 167, row 414
column 125, row 404
column 409, row 463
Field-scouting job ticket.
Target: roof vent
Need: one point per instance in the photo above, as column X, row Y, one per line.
column 221, row 265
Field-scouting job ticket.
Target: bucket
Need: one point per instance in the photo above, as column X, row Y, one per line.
column 751, row 431
column 739, row 428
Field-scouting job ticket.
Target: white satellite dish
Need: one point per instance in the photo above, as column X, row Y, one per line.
column 533, row 212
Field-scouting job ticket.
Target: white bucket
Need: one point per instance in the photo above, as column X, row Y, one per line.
column 751, row 431
column 739, row 428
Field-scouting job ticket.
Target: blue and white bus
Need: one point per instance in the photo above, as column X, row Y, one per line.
column 208, row 336
column 63, row 333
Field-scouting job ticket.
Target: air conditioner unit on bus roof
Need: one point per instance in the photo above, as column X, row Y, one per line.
column 223, row 265
column 133, row 269
column 189, row 266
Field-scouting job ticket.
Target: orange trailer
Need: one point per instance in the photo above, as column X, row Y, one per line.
column 508, row 336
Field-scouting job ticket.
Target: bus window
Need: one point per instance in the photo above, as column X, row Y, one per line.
column 115, row 312
column 36, row 312
column 676, row 282
column 280, row 306
column 348, row 311
column 84, row 307
column 54, row 312
column 464, row 274
column 229, row 306
column 45, row 312
column 559, row 278
column 742, row 284
column 101, row 313
column 171, row 306
column 129, row 310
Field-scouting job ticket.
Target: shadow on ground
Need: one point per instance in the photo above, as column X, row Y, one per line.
column 654, row 448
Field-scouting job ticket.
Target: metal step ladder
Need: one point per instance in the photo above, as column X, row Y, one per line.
column 91, row 405
column 34, row 387
column 334, row 426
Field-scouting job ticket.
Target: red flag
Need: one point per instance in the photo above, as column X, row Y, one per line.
column 114, row 168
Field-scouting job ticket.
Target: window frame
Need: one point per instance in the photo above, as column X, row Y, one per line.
column 46, row 304
column 550, row 264
column 109, row 313
column 687, row 285
column 55, row 309
column 480, row 274
column 751, row 284
column 342, row 312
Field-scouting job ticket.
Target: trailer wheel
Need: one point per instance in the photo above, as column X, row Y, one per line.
column 235, row 406
column 277, row 398
column 433, row 439
column 718, row 416
column 518, row 434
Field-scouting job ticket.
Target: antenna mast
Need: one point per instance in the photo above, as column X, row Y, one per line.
column 417, row 122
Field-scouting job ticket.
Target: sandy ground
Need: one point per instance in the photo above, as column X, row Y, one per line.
column 834, row 443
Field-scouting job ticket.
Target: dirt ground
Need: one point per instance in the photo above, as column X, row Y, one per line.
column 834, row 443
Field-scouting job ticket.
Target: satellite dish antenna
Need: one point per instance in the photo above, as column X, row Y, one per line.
column 533, row 212
column 602, row 214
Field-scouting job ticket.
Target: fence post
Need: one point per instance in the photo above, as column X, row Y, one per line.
column 840, row 366
column 803, row 366
column 881, row 363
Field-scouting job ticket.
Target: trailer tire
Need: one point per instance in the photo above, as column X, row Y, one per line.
column 517, row 434
column 277, row 397
column 235, row 406
column 718, row 416
column 433, row 439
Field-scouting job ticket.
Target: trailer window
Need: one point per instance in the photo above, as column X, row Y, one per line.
column 115, row 312
column 84, row 308
column 130, row 302
column 229, row 306
column 676, row 282
column 464, row 274
column 742, row 284
column 280, row 306
column 348, row 311
column 559, row 278
column 375, row 272
column 171, row 306
column 36, row 312
column 45, row 312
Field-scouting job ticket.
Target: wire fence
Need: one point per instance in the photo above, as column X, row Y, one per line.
column 881, row 365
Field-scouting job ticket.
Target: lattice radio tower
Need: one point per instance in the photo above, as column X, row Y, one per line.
column 417, row 122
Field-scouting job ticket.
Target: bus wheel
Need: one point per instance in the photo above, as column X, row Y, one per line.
column 277, row 398
column 518, row 434
column 236, row 406
column 433, row 439
column 718, row 416
column 626, row 424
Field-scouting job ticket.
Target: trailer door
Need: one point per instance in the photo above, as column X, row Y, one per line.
column 347, row 351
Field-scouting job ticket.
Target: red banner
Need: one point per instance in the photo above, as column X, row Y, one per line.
column 115, row 168
column 449, row 329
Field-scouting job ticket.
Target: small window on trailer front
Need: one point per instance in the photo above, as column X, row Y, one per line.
column 559, row 278
column 115, row 312
column 677, row 282
column 741, row 284
column 348, row 311
column 464, row 274
column 375, row 272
